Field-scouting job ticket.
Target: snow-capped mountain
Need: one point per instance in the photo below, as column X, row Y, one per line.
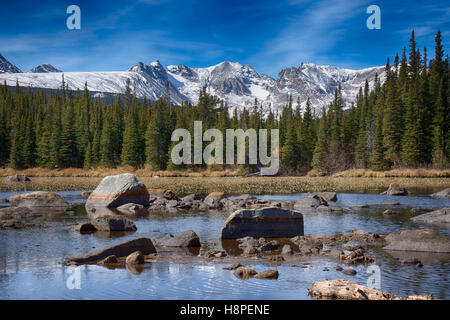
column 236, row 84
column 7, row 67
column 44, row 68
column 320, row 82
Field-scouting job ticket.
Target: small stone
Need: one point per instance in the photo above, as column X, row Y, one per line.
column 244, row 273
column 349, row 272
column 269, row 274
column 135, row 258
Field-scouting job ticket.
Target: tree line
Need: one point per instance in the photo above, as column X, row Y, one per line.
column 402, row 121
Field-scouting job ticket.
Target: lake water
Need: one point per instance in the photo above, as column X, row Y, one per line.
column 30, row 259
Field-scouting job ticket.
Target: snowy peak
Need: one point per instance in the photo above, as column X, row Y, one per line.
column 7, row 67
column 236, row 84
column 44, row 68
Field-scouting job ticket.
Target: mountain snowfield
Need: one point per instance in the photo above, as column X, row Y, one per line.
column 236, row 84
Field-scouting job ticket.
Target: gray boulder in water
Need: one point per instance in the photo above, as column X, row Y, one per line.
column 269, row 222
column 437, row 217
column 183, row 240
column 310, row 202
column 425, row 240
column 115, row 191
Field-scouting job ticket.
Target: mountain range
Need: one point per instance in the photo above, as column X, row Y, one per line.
column 238, row 85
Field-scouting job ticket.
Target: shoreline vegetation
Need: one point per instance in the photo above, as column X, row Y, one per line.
column 418, row 181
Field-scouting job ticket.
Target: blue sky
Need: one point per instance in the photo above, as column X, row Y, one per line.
column 269, row 35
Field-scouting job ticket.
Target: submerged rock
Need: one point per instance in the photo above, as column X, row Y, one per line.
column 350, row 290
column 349, row 272
column 444, row 194
column 390, row 213
column 183, row 240
column 395, row 190
column 124, row 249
column 439, row 217
column 426, row 240
column 111, row 224
column 270, row 222
column 115, row 191
column 38, row 199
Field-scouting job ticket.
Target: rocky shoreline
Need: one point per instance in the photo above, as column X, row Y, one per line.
column 256, row 229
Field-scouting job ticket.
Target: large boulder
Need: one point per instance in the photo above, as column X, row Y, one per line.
column 269, row 222
column 310, row 202
column 395, row 190
column 115, row 191
column 438, row 217
column 444, row 194
column 111, row 224
column 16, row 178
column 350, row 290
column 426, row 240
column 124, row 249
column 183, row 240
column 38, row 199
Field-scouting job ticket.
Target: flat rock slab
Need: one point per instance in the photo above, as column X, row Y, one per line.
column 270, row 222
column 425, row 240
column 115, row 191
column 38, row 199
column 444, row 194
column 350, row 290
column 124, row 249
column 438, row 217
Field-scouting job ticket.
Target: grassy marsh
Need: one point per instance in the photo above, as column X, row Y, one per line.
column 240, row 185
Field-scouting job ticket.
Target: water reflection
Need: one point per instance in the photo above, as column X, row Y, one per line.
column 30, row 259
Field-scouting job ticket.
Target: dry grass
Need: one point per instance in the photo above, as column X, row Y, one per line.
column 240, row 185
column 397, row 173
column 102, row 172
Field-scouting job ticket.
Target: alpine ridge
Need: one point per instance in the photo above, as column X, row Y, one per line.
column 237, row 85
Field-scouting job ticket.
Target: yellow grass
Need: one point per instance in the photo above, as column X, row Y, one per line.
column 406, row 173
column 103, row 172
column 239, row 185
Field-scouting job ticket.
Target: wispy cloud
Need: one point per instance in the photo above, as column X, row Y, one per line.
column 310, row 35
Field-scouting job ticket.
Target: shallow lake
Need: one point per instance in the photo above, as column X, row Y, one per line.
column 30, row 259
